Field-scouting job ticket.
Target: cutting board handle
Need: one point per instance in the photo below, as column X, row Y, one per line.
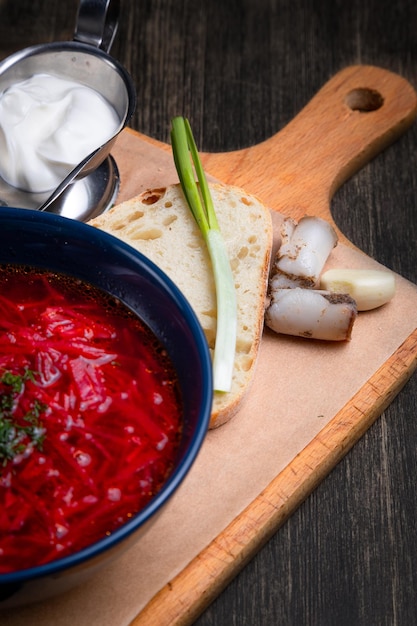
column 360, row 111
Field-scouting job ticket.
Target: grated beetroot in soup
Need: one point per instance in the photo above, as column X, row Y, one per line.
column 90, row 416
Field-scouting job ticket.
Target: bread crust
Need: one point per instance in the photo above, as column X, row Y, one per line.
column 160, row 225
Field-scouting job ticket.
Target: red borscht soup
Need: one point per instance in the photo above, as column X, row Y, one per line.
column 90, row 416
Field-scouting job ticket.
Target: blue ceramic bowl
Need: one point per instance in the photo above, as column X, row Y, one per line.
column 62, row 245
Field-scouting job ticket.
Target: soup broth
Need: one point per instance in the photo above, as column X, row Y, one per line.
column 90, row 416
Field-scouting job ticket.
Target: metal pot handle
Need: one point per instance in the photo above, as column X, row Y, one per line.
column 97, row 22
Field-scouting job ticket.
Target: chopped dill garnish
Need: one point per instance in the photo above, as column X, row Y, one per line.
column 18, row 435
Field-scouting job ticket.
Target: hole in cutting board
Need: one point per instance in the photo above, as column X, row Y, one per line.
column 364, row 99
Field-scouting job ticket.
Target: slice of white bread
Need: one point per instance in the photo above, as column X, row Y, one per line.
column 160, row 225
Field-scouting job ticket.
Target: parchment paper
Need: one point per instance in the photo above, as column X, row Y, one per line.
column 299, row 386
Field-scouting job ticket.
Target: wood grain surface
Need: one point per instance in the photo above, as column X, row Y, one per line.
column 354, row 116
column 241, row 71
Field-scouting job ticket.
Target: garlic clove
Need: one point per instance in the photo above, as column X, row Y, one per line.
column 369, row 288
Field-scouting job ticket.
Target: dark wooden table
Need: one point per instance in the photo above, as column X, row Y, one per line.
column 240, row 70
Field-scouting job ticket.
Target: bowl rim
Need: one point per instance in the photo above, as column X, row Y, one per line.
column 96, row 236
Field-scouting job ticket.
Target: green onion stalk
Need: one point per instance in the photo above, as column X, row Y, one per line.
column 188, row 164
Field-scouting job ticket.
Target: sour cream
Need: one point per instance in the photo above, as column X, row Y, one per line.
column 48, row 125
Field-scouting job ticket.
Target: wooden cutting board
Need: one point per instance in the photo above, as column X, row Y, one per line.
column 358, row 113
column 285, row 440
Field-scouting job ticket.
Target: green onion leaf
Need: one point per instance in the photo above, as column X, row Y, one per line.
column 188, row 164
